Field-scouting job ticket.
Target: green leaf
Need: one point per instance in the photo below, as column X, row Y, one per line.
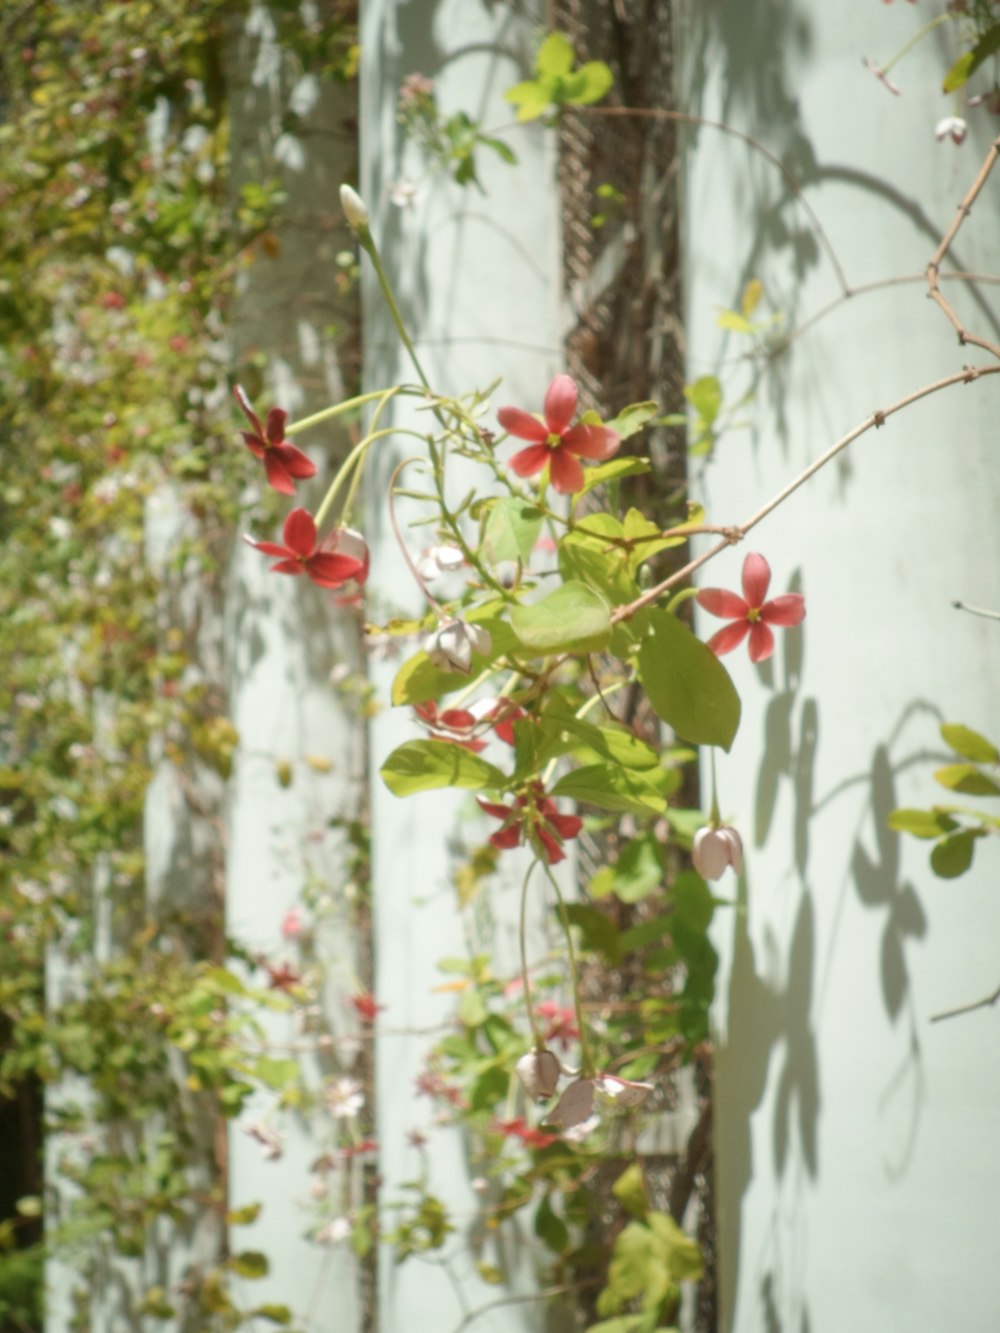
column 511, row 530
column 921, row 823
column 705, row 396
column 636, row 874
column 966, row 65
column 250, row 1264
column 530, row 98
column 588, row 84
column 418, row 679
column 683, row 1254
column 630, row 1191
column 275, row 1314
column 425, row 765
column 952, row 856
column 609, row 788
column 550, row 1228
column 969, row 744
column 631, row 419
column 276, row 1073
column 967, row 779
column 687, row 684
column 598, row 933
column 750, row 299
column 613, row 470
column 593, row 561
column 555, row 56
column 242, row 1217
column 574, row 618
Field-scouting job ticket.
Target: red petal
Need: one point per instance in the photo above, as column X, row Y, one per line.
column 756, row 579
column 254, row 443
column 456, row 719
column 565, row 472
column 288, row 567
column 567, row 826
column 592, row 442
column 719, row 602
column 426, row 712
column 789, row 609
column 271, row 548
column 560, row 404
column 295, row 462
column 277, row 474
column 761, row 642
column 492, row 808
column 522, row 424
column 275, row 426
column 300, row 533
column 531, row 460
column 330, row 571
column 553, row 850
column 239, row 393
column 505, row 838
column 729, row 638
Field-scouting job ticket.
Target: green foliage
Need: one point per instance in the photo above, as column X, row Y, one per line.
column 988, row 44
column 557, row 83
column 953, row 829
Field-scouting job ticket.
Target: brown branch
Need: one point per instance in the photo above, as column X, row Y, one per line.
column 933, row 289
column 986, row 1003
column 875, row 419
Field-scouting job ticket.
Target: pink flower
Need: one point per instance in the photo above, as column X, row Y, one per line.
column 301, row 555
column 283, row 463
column 292, row 923
column 536, row 816
column 715, row 849
column 561, row 1023
column 953, row 127
column 555, row 442
column 751, row 614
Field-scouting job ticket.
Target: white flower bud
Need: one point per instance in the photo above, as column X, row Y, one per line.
column 355, row 208
column 538, row 1072
column 452, row 644
column 714, row 849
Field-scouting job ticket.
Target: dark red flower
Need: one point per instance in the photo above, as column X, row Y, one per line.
column 281, row 976
column 536, row 817
column 451, row 724
column 283, row 463
column 366, row 1006
column 520, row 1129
column 301, row 555
column 751, row 614
column 555, row 442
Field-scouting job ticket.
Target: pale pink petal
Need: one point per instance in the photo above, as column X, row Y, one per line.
column 756, row 578
column 709, row 853
column 592, row 442
column 729, row 638
column 526, row 462
column 735, row 843
column 574, row 1106
column 789, row 609
column 522, row 424
column 761, row 642
column 719, row 602
column 565, row 472
column 560, row 404
column 300, row 532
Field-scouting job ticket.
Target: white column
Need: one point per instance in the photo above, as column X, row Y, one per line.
column 858, row 1172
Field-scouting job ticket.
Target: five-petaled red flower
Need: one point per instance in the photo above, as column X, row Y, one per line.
column 300, row 554
column 536, row 816
column 366, row 1006
column 750, row 613
column 555, row 441
column 283, row 463
column 520, row 1129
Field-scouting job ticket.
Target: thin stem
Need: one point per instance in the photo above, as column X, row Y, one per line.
column 975, row 610
column 714, row 818
column 586, row 1059
column 368, row 243
column 536, row 1036
column 918, row 37
column 352, row 460
column 418, row 577
column 346, row 406
column 985, row 1003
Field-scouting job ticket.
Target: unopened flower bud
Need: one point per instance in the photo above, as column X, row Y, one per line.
column 355, row 208
column 952, row 127
column 346, row 541
column 452, row 644
column 539, row 1074
column 714, row 849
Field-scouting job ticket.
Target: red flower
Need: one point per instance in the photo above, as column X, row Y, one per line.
column 536, row 816
column 751, row 614
column 366, row 1006
column 283, row 463
column 300, row 554
column 561, row 1022
column 555, row 442
column 519, row 1128
column 451, row 724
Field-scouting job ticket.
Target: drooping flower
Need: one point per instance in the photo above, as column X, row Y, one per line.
column 456, row 725
column 715, row 849
column 452, row 644
column 349, row 542
column 283, row 463
column 301, row 555
column 538, row 1073
column 953, row 127
column 536, row 817
column 554, row 441
column 750, row 613
column 439, row 560
column 576, row 1104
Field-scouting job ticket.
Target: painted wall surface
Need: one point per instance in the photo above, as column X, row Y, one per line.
column 478, row 280
column 857, row 1161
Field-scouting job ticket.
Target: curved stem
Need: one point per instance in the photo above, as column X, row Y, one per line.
column 418, row 577
column 918, row 37
column 353, row 460
column 536, row 1036
column 586, row 1059
column 346, row 406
